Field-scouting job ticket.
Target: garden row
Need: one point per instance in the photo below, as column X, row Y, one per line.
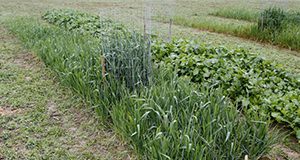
column 273, row 25
column 276, row 26
column 163, row 117
column 253, row 16
column 248, row 80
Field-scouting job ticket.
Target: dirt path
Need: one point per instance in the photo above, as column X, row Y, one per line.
column 39, row 119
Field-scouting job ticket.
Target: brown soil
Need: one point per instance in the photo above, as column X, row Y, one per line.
column 8, row 111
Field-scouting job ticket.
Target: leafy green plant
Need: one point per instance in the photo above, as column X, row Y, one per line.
column 250, row 81
column 82, row 22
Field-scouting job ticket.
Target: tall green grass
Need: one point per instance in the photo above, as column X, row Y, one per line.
column 76, row 60
column 116, row 44
column 170, row 119
column 174, row 120
column 127, row 57
column 287, row 37
column 237, row 13
column 232, row 29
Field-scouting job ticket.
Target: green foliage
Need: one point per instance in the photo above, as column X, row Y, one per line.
column 125, row 52
column 170, row 119
column 248, row 80
column 174, row 120
column 279, row 27
column 271, row 19
column 127, row 59
column 76, row 59
column 274, row 26
column 40, row 114
column 293, row 18
column 82, row 22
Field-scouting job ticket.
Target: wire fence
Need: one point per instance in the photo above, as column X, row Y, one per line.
column 162, row 18
column 127, row 55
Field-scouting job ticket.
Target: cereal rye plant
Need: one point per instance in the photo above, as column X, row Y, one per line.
column 76, row 60
column 172, row 119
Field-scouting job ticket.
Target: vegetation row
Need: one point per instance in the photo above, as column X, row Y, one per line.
column 250, row 81
column 165, row 116
column 273, row 25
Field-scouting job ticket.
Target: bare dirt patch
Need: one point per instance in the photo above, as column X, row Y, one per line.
column 289, row 153
column 26, row 60
column 4, row 36
column 88, row 137
column 8, row 111
column 281, row 152
column 52, row 110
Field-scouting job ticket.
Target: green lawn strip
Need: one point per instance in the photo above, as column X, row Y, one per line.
column 237, row 13
column 161, row 121
column 40, row 119
column 286, row 38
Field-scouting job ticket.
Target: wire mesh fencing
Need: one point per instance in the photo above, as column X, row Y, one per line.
column 126, row 54
column 126, row 58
